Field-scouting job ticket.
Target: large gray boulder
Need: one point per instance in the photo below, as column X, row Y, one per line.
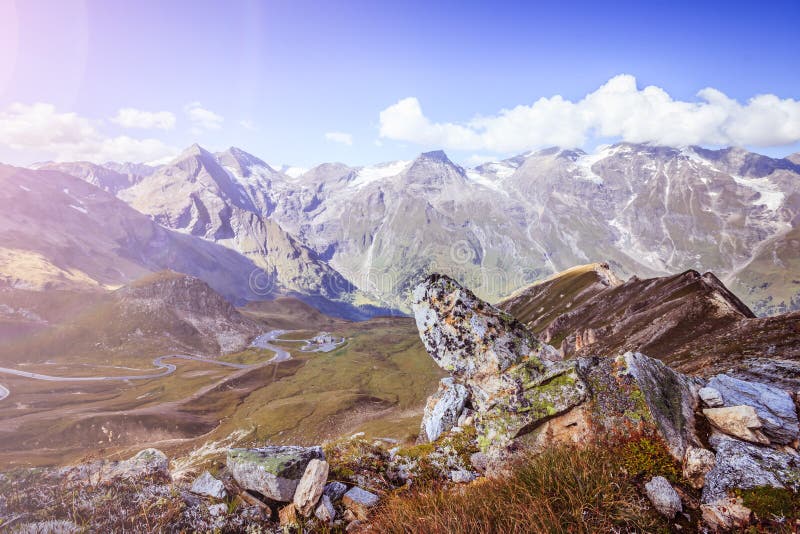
column 744, row 466
column 442, row 409
column 672, row 399
column 472, row 339
column 774, row 406
column 273, row 471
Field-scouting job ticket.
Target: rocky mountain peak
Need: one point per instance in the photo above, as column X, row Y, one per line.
column 435, row 155
column 433, row 169
column 242, row 161
column 193, row 150
column 178, row 290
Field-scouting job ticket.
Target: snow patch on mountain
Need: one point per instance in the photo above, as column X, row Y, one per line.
column 367, row 175
column 770, row 196
column 485, row 181
column 587, row 161
column 79, row 208
column 501, row 169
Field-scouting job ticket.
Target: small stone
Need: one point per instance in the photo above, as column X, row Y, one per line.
column 725, row 514
column 311, row 486
column 359, row 501
column 462, row 476
column 738, row 421
column 353, row 526
column 208, row 486
column 325, row 511
column 664, row 497
column 288, row 516
column 217, row 510
column 711, row 397
column 479, row 461
column 349, row 516
column 696, row 464
column 335, row 490
column 466, row 418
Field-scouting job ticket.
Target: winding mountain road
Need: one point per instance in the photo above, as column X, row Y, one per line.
column 262, row 342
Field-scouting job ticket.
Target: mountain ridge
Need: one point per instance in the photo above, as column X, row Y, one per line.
column 501, row 225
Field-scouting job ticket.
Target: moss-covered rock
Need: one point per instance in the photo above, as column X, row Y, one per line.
column 272, row 471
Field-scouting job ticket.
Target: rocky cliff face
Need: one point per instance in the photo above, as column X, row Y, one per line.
column 521, row 395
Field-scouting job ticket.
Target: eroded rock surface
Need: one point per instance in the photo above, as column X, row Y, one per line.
column 744, row 465
column 442, row 409
column 663, row 496
column 774, row 407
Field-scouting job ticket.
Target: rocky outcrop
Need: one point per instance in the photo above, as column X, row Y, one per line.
column 520, row 396
column 518, row 385
column 513, row 381
column 274, row 471
column 775, row 408
column 442, row 410
column 146, row 463
column 741, row 465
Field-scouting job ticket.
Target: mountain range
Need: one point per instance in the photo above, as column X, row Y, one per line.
column 356, row 239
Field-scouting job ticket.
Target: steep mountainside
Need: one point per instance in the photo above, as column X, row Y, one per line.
column 157, row 314
column 645, row 210
column 59, row 232
column 225, row 198
column 107, row 179
column 692, row 321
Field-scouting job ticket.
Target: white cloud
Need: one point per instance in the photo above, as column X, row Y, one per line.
column 202, row 118
column 136, row 118
column 618, row 109
column 340, row 137
column 42, row 129
column 247, row 124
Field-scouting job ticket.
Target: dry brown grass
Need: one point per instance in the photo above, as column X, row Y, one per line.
column 561, row 490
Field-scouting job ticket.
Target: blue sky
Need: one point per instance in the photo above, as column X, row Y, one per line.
column 275, row 77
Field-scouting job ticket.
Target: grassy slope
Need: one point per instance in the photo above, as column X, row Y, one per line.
column 373, row 382
column 539, row 304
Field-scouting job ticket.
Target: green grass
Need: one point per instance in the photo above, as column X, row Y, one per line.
column 250, row 356
column 368, row 384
